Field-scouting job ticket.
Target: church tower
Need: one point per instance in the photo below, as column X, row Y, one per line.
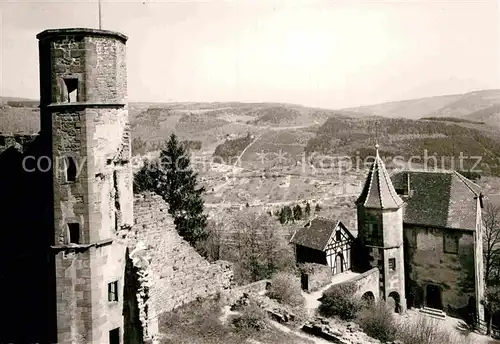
column 84, row 118
column 380, row 229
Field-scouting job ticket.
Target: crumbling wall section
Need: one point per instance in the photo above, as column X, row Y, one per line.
column 318, row 275
column 172, row 271
column 230, row 296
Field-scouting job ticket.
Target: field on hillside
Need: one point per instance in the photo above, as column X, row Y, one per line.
column 407, row 138
column 268, row 154
column 455, row 105
column 19, row 120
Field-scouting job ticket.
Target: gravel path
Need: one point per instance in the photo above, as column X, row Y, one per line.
column 312, row 302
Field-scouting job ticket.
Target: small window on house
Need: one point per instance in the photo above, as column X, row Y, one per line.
column 70, row 169
column 114, row 336
column 450, row 243
column 412, row 238
column 113, row 291
column 392, row 264
column 373, row 231
column 74, row 233
column 71, row 90
column 338, row 235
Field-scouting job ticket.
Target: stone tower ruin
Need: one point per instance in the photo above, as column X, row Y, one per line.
column 84, row 118
column 380, row 226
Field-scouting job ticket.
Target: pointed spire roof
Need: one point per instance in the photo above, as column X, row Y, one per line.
column 378, row 192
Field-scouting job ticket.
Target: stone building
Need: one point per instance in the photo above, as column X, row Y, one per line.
column 423, row 231
column 75, row 257
column 443, row 241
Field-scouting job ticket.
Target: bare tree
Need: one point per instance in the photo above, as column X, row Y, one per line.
column 491, row 242
column 492, row 304
column 210, row 247
column 256, row 247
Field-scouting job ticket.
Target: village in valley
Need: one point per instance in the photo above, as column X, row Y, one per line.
column 134, row 222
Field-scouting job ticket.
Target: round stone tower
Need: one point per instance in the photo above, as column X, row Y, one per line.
column 84, row 118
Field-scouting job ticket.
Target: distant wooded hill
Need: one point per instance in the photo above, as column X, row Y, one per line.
column 475, row 106
column 444, row 125
column 406, row 138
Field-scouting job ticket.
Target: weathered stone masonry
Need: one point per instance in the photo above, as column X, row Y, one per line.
column 83, row 109
column 67, row 229
column 178, row 274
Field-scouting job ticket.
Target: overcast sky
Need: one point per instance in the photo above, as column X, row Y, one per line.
column 320, row 53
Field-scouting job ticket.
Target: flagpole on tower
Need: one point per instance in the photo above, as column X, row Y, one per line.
column 376, row 131
column 99, row 3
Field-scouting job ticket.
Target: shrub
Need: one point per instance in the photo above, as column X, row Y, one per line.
column 427, row 331
column 340, row 301
column 199, row 318
column 252, row 318
column 378, row 322
column 285, row 288
column 256, row 247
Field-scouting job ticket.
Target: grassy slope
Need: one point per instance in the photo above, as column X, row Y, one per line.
column 19, row 120
column 198, row 322
column 490, row 115
column 412, row 108
column 457, row 105
column 469, row 103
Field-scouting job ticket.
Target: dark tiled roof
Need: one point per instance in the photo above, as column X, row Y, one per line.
column 378, row 191
column 438, row 198
column 317, row 234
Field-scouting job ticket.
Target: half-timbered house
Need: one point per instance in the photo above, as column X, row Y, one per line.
column 324, row 241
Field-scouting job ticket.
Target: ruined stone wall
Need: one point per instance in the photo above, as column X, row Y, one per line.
column 428, row 264
column 178, row 273
column 231, row 295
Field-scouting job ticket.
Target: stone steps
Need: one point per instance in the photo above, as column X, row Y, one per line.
column 433, row 313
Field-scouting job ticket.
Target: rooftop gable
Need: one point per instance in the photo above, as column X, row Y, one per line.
column 318, row 233
column 438, row 198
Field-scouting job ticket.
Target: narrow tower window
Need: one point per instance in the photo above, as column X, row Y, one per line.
column 338, row 235
column 392, row 264
column 113, row 291
column 373, row 231
column 71, row 90
column 70, row 169
column 450, row 243
column 114, row 336
column 74, row 233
